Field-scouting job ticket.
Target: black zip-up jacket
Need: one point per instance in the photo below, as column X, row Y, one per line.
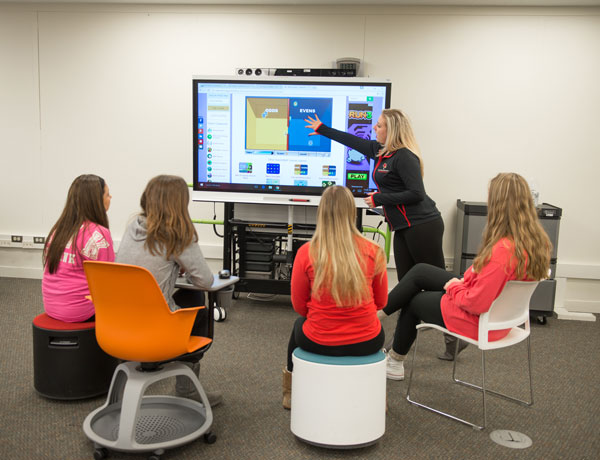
column 397, row 175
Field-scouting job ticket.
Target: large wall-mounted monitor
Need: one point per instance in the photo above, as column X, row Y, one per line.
column 251, row 143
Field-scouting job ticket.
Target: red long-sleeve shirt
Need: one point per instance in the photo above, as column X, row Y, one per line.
column 465, row 301
column 326, row 323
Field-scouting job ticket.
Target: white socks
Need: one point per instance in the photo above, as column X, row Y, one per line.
column 396, row 356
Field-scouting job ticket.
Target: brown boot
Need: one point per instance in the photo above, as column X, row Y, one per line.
column 450, row 342
column 287, row 389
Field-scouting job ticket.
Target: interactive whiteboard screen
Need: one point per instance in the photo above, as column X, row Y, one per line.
column 251, row 143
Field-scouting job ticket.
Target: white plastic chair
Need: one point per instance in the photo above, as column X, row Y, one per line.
column 509, row 311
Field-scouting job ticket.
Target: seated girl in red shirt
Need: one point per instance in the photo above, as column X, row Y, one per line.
column 514, row 247
column 339, row 281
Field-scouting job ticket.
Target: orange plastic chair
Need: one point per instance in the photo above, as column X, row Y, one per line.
column 133, row 320
column 134, row 323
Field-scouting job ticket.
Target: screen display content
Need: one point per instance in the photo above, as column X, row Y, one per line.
column 250, row 135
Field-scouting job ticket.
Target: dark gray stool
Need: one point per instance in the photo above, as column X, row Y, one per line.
column 67, row 361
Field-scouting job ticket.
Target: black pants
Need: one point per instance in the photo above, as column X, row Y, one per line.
column 415, row 245
column 418, row 296
column 419, row 244
column 186, row 298
column 298, row 339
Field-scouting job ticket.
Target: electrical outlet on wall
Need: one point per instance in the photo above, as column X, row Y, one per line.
column 22, row 241
column 16, row 241
column 39, row 242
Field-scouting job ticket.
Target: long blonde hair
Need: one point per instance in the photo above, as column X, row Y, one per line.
column 512, row 215
column 336, row 257
column 165, row 206
column 399, row 135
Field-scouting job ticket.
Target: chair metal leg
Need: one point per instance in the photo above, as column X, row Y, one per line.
column 412, row 367
column 529, row 367
column 424, row 406
column 483, row 389
column 502, row 395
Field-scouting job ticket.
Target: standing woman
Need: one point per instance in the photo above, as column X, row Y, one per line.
column 514, row 247
column 162, row 239
column 398, row 174
column 81, row 233
column 339, row 281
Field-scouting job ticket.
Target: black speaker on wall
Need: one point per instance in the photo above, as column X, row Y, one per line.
column 294, row 72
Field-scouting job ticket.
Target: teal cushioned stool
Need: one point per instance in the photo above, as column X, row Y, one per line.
column 338, row 402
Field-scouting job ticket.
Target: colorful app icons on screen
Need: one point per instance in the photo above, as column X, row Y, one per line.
column 300, row 170
column 245, row 167
column 273, row 168
column 329, row 170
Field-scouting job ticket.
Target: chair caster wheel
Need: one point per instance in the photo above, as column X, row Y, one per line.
column 219, row 314
column 154, row 457
column 541, row 320
column 100, row 453
column 210, row 438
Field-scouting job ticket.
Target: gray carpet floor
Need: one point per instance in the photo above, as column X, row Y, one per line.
column 245, row 363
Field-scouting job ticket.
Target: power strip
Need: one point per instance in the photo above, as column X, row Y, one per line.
column 22, row 241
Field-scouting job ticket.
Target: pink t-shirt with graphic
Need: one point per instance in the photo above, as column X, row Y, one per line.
column 64, row 290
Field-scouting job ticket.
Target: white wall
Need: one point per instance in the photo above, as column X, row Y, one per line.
column 106, row 89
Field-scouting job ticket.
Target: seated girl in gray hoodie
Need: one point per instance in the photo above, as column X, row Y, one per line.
column 162, row 239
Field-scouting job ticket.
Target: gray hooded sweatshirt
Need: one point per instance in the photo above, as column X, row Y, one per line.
column 166, row 271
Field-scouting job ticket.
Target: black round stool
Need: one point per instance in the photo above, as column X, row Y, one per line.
column 68, row 363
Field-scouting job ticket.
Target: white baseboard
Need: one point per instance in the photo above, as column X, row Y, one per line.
column 562, row 313
column 579, row 271
column 21, row 272
column 583, row 306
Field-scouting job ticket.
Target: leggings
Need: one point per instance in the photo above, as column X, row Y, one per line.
column 419, row 244
column 418, row 295
column 414, row 245
column 298, row 339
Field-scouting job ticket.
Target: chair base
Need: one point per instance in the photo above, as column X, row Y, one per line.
column 484, row 391
column 161, row 419
column 138, row 423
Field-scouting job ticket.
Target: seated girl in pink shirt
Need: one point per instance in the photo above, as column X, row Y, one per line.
column 81, row 233
column 514, row 247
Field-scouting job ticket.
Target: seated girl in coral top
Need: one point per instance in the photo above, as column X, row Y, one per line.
column 514, row 247
column 339, row 281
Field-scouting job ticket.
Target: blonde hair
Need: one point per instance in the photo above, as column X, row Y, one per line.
column 512, row 215
column 336, row 257
column 165, row 206
column 400, row 135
